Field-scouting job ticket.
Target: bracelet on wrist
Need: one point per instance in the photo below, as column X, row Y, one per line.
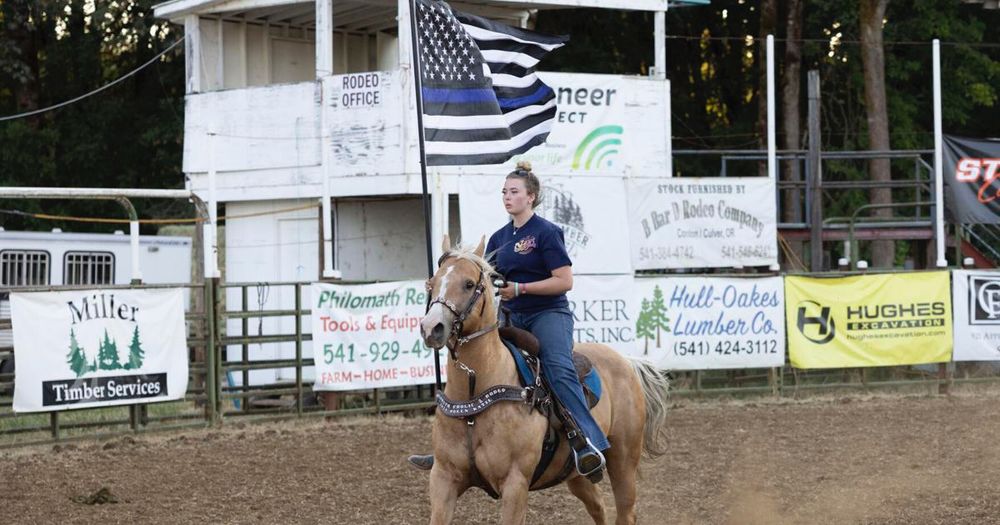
column 517, row 289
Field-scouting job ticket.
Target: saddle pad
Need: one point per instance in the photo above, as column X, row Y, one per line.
column 591, row 382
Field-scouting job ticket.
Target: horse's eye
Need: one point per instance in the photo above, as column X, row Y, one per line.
column 469, row 285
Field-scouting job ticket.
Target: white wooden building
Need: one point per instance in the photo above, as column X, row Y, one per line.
column 290, row 101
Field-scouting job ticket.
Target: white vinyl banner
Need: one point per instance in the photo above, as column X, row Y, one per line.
column 976, row 307
column 591, row 212
column 702, row 222
column 368, row 336
column 698, row 323
column 90, row 348
column 604, row 311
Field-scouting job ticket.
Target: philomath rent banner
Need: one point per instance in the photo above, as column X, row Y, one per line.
column 368, row 336
column 702, row 222
column 976, row 300
column 869, row 320
column 91, row 348
column 698, row 323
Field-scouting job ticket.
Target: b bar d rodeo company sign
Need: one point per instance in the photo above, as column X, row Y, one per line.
column 976, row 300
column 91, row 348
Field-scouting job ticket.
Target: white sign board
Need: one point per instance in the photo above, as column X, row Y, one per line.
column 976, row 310
column 364, row 123
column 591, row 212
column 368, row 336
column 90, row 348
column 604, row 311
column 699, row 323
column 702, row 222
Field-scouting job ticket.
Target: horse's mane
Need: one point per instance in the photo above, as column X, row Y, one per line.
column 469, row 254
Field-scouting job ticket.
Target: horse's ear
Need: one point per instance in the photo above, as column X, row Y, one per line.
column 445, row 244
column 482, row 246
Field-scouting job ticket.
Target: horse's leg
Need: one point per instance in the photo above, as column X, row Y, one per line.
column 623, row 465
column 443, row 493
column 514, row 498
column 590, row 495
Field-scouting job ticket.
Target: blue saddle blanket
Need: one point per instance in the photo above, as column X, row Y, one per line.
column 591, row 383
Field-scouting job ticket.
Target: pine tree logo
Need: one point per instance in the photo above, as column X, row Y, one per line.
column 652, row 320
column 559, row 207
column 107, row 355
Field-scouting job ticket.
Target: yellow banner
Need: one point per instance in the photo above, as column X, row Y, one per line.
column 868, row 320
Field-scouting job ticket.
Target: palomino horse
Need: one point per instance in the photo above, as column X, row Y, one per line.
column 504, row 445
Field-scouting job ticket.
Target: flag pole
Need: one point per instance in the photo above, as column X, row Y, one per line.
column 417, row 87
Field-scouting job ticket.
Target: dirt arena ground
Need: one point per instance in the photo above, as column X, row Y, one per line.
column 892, row 459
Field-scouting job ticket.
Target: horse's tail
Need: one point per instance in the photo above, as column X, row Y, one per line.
column 655, row 387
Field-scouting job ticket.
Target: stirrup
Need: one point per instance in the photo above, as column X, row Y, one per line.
column 421, row 462
column 590, row 462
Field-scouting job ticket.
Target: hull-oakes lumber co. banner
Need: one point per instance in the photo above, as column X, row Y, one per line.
column 91, row 348
column 698, row 323
column 972, row 180
column 869, row 320
column 976, row 300
column 368, row 336
column 702, row 222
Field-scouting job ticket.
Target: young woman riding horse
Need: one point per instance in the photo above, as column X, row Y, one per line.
column 499, row 448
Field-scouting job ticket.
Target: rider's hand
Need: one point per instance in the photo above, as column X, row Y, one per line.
column 507, row 292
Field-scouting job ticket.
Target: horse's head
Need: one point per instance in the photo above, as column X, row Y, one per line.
column 461, row 295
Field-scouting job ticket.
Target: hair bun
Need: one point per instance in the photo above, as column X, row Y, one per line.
column 524, row 165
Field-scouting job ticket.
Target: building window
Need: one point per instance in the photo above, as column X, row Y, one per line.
column 24, row 268
column 89, row 268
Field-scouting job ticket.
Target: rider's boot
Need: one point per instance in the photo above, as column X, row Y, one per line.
column 590, row 462
column 422, row 462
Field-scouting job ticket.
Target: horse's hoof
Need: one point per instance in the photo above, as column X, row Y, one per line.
column 422, row 462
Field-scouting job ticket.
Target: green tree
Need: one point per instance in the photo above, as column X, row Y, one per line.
column 642, row 326
column 658, row 319
column 107, row 356
column 135, row 352
column 77, row 358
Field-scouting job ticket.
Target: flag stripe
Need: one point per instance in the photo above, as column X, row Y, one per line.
column 509, row 57
column 510, row 81
column 480, row 121
column 483, row 158
column 496, row 27
column 533, row 51
column 539, row 95
column 485, row 35
column 491, row 146
column 509, row 69
column 480, row 134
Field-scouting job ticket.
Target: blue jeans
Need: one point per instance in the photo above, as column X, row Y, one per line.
column 554, row 330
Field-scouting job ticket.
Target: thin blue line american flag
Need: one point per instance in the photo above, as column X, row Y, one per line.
column 483, row 102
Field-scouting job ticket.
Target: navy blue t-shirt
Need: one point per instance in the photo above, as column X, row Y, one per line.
column 528, row 256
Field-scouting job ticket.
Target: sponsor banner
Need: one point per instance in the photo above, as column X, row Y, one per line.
column 363, row 120
column 976, row 301
column 972, row 180
column 604, row 125
column 368, row 336
column 702, row 222
column 698, row 323
column 604, row 311
column 590, row 211
column 869, row 320
column 92, row 348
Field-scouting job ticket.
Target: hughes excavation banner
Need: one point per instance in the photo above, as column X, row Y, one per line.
column 368, row 336
column 868, row 320
column 976, row 300
column 92, row 348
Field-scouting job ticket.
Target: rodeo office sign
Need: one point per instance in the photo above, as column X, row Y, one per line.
column 363, row 118
column 702, row 222
column 698, row 323
column 368, row 336
column 976, row 300
column 91, row 348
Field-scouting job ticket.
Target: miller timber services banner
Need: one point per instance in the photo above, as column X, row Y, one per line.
column 976, row 300
column 972, row 180
column 869, row 320
column 702, row 222
column 92, row 348
column 368, row 336
column 699, row 323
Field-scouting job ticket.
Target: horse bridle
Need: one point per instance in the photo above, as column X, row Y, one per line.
column 460, row 317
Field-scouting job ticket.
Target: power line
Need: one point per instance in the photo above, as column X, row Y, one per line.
column 837, row 41
column 96, row 91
